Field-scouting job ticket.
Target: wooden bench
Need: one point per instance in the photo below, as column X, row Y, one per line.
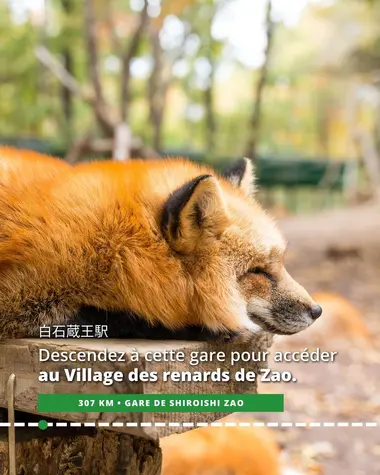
column 123, row 449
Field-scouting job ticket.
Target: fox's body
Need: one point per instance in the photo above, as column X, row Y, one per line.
column 221, row 450
column 168, row 241
column 21, row 168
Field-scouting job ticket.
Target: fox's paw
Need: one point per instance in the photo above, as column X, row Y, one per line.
column 228, row 337
column 248, row 332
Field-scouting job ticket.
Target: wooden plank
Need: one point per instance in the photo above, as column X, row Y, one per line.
column 21, row 357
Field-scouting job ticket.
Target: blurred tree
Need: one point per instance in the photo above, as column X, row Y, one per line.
column 194, row 20
column 212, row 50
column 207, row 58
column 19, row 77
column 161, row 72
column 254, row 124
column 113, row 124
column 68, row 7
column 364, row 61
column 163, row 62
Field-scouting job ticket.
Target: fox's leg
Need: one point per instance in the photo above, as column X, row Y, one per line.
column 243, row 333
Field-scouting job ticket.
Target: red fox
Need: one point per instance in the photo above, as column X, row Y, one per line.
column 221, row 451
column 168, row 243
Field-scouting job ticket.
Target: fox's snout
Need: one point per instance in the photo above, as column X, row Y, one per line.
column 287, row 309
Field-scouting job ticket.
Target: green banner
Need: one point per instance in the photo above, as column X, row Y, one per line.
column 160, row 403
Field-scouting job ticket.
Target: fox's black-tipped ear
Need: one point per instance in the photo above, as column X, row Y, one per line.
column 195, row 215
column 241, row 175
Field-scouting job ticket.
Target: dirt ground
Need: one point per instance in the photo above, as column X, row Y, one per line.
column 339, row 252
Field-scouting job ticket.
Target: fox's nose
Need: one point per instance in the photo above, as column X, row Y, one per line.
column 315, row 311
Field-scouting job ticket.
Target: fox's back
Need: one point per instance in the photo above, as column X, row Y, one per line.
column 25, row 175
column 20, row 168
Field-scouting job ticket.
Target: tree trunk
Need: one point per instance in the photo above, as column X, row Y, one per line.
column 377, row 130
column 159, row 83
column 367, row 146
column 323, row 119
column 100, row 107
column 155, row 91
column 81, row 452
column 67, row 95
column 209, row 107
column 371, row 161
column 254, row 124
column 127, row 57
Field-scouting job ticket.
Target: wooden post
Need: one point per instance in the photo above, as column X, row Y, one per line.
column 122, row 142
column 72, row 451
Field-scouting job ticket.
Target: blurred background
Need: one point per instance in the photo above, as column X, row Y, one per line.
column 295, row 86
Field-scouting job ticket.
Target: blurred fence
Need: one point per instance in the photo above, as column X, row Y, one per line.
column 286, row 185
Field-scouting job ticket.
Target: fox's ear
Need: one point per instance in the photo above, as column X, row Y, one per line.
column 241, row 174
column 195, row 214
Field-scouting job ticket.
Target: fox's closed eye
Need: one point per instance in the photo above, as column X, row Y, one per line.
column 260, row 271
column 256, row 270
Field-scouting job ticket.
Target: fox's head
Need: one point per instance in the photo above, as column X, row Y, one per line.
column 234, row 254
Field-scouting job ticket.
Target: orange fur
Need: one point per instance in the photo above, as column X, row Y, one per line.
column 23, row 167
column 91, row 235
column 221, row 450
